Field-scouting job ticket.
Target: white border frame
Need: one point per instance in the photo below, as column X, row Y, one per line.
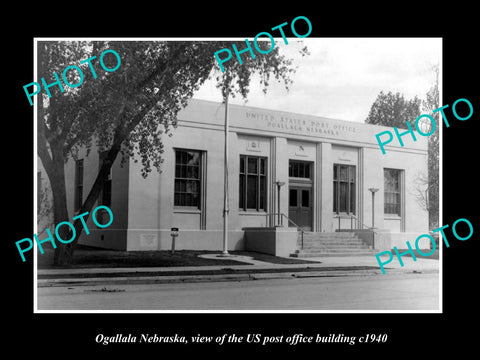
column 35, row 168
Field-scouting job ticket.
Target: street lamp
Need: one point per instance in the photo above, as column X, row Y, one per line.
column 279, row 185
column 373, row 190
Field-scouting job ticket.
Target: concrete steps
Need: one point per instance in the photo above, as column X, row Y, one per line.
column 334, row 246
column 331, row 244
column 307, row 254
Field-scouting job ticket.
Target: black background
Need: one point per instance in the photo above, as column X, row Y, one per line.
column 409, row 334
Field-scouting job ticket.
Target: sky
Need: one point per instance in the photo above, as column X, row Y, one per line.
column 342, row 77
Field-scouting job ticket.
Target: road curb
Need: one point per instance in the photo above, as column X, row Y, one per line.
column 165, row 279
column 250, row 276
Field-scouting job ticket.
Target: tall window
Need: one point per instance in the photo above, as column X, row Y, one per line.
column 392, row 191
column 253, row 183
column 344, row 188
column 106, row 194
column 78, row 192
column 187, row 178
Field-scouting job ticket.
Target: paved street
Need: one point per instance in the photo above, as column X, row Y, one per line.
column 377, row 292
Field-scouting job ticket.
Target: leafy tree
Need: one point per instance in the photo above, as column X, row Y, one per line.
column 431, row 200
column 127, row 111
column 393, row 110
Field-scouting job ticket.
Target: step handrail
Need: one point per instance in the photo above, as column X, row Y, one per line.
column 357, row 221
column 299, row 228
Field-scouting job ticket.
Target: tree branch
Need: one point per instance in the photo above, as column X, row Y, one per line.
column 159, row 69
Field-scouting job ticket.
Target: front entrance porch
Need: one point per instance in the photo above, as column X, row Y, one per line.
column 322, row 244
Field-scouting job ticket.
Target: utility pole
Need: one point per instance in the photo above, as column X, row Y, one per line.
column 225, row 183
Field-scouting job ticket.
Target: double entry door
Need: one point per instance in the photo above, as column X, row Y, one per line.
column 300, row 197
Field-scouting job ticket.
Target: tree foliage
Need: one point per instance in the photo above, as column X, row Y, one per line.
column 128, row 111
column 393, row 110
column 431, row 201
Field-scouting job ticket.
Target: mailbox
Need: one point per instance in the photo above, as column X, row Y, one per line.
column 174, row 231
column 174, row 234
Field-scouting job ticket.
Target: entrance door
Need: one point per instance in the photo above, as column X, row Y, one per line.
column 300, row 206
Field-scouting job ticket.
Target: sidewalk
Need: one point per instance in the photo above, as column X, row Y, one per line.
column 256, row 270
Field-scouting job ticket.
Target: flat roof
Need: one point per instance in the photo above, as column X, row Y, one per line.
column 268, row 122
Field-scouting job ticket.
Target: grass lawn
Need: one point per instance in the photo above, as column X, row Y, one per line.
column 87, row 257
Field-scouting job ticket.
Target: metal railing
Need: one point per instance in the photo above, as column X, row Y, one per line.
column 352, row 217
column 279, row 217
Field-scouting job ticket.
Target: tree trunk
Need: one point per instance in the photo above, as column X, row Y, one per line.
column 56, row 175
column 64, row 252
column 55, row 168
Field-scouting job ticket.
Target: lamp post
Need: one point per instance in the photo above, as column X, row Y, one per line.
column 279, row 185
column 373, row 190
